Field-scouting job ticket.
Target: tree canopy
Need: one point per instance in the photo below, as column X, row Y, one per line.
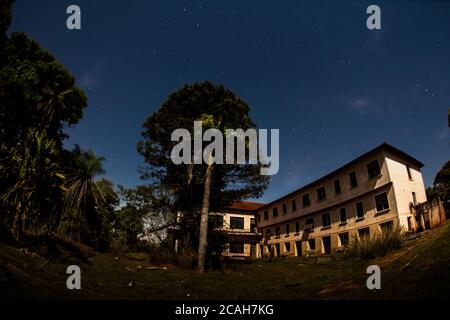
column 229, row 182
column 35, row 91
column 442, row 183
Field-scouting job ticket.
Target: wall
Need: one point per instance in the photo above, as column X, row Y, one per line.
column 372, row 219
column 247, row 224
column 347, row 192
column 404, row 187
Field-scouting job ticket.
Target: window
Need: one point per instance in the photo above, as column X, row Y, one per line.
column 297, row 227
column 266, row 215
column 259, row 217
column 309, row 224
column 353, row 181
column 381, row 202
column 312, row 244
column 408, row 170
column 386, row 226
column 373, row 169
column 275, row 212
column 321, row 194
column 252, row 225
column 343, row 215
column 236, row 223
column 237, row 247
column 294, row 205
column 287, row 228
column 359, row 209
column 343, row 239
column 363, row 233
column 287, row 247
column 326, row 220
column 414, row 198
column 277, row 231
column 284, row 208
column 306, row 201
column 337, row 186
column 215, row 221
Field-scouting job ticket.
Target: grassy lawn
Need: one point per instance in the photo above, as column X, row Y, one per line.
column 421, row 269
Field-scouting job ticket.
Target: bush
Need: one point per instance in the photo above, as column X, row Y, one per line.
column 6, row 236
column 163, row 253
column 376, row 246
column 56, row 249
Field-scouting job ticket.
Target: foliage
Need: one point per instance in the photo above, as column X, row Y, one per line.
column 34, row 179
column 442, row 183
column 143, row 217
column 5, row 19
column 106, row 212
column 129, row 225
column 35, row 91
column 378, row 245
column 86, row 198
column 186, row 182
column 38, row 99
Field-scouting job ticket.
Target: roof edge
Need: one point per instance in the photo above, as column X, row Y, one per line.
column 383, row 146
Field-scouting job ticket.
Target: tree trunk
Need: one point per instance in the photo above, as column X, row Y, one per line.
column 203, row 238
column 18, row 225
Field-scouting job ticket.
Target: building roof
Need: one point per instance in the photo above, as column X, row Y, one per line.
column 382, row 147
column 246, row 206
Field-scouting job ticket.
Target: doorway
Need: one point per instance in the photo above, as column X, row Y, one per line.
column 326, row 241
column 252, row 250
column 298, row 246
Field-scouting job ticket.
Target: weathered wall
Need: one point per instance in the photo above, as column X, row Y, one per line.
column 404, row 186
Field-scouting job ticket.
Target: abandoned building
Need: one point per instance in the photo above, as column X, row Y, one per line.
column 238, row 222
column 233, row 228
column 378, row 191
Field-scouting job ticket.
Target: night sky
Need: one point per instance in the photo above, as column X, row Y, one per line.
column 310, row 68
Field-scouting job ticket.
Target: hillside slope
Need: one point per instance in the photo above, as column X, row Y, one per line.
column 421, row 269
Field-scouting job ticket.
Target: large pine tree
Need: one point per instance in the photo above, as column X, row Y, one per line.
column 229, row 183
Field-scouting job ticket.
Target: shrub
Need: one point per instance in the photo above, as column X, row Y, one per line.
column 56, row 249
column 376, row 246
column 6, row 236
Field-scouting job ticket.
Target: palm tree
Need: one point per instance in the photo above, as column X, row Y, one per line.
column 52, row 107
column 33, row 169
column 83, row 195
column 57, row 104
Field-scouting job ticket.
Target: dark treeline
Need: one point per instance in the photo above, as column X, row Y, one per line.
column 47, row 189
